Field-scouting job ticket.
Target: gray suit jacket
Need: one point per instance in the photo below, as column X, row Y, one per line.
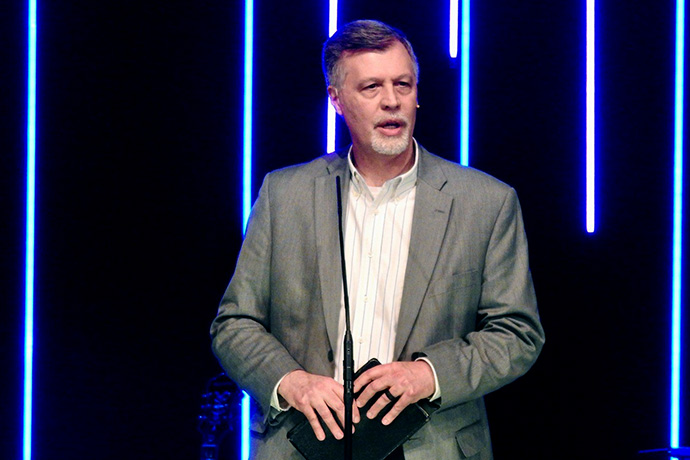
column 468, row 303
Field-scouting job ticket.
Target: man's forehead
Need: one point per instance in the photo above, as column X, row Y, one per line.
column 360, row 58
column 347, row 54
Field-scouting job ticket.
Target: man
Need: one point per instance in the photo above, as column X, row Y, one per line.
column 437, row 269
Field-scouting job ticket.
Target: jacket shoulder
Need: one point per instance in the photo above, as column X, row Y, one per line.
column 454, row 178
column 319, row 166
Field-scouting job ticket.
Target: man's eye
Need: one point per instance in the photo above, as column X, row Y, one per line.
column 372, row 86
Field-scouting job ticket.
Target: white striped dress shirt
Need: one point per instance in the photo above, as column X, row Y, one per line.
column 378, row 222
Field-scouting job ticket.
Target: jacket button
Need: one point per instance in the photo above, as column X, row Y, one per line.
column 330, row 356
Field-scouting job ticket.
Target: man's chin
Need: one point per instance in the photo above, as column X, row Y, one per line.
column 391, row 147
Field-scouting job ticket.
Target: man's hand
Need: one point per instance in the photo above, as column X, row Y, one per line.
column 312, row 394
column 407, row 381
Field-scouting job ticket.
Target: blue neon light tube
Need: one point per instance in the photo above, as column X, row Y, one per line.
column 30, row 233
column 330, row 111
column 245, row 426
column 332, row 17
column 676, row 294
column 590, row 143
column 247, row 170
column 453, row 29
column 248, row 107
column 330, row 126
column 465, row 86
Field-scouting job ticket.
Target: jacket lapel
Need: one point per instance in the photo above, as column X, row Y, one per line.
column 431, row 213
column 327, row 241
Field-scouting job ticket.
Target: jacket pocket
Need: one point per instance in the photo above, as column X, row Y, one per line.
column 471, row 439
column 454, row 282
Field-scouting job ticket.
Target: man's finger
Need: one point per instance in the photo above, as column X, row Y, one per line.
column 327, row 417
column 383, row 401
column 389, row 395
column 315, row 424
column 336, row 404
column 370, row 390
column 340, row 412
column 362, row 381
column 395, row 411
column 355, row 412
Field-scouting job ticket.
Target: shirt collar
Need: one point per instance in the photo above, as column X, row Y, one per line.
column 392, row 188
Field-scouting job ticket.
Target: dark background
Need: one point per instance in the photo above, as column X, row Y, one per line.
column 139, row 213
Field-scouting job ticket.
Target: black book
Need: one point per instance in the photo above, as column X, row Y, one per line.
column 371, row 440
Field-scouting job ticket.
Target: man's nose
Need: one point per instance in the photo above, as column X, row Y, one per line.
column 390, row 99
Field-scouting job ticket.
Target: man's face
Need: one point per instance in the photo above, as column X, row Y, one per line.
column 377, row 98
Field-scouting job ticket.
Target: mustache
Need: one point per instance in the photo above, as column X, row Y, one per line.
column 386, row 119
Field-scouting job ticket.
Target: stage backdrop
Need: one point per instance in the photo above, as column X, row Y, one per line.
column 139, row 216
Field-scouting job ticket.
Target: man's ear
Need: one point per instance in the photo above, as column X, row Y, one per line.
column 335, row 100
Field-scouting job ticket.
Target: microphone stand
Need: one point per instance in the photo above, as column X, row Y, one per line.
column 348, row 360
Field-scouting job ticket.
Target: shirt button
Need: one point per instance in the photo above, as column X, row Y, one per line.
column 365, row 299
column 360, row 340
column 371, row 254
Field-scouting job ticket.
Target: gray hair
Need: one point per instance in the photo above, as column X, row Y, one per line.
column 356, row 36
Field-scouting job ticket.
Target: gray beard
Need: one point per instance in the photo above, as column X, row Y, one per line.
column 390, row 146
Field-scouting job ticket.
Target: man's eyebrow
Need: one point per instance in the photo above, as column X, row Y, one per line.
column 364, row 82
column 369, row 80
column 404, row 76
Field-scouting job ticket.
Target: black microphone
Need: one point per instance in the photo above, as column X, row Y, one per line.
column 348, row 360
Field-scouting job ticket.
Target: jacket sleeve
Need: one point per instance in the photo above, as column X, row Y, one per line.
column 508, row 335
column 241, row 337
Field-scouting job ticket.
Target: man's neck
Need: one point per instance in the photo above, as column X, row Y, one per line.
column 376, row 168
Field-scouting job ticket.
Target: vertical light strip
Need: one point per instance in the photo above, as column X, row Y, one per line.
column 465, row 86
column 30, row 233
column 330, row 126
column 330, row 111
column 676, row 299
column 590, row 190
column 247, row 171
column 245, row 426
column 248, row 107
column 332, row 17
column 453, row 29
